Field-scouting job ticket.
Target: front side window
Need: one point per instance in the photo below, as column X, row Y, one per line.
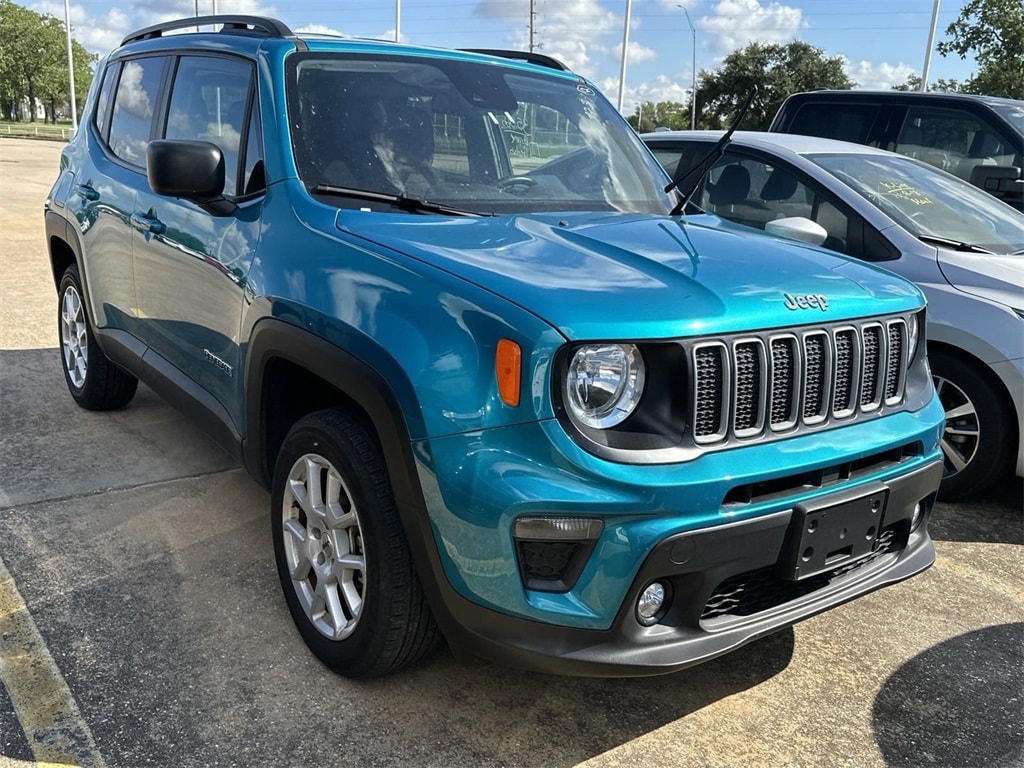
column 208, row 101
column 131, row 123
column 754, row 191
column 481, row 137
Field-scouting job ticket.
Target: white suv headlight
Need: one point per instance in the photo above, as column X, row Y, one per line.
column 603, row 384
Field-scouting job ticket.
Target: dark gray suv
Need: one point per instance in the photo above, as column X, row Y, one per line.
column 978, row 138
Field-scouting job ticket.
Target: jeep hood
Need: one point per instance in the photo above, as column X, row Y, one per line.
column 640, row 276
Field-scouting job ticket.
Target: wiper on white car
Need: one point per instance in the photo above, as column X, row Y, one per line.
column 406, row 203
column 956, row 245
column 709, row 159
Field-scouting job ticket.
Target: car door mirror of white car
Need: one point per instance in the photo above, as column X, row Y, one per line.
column 797, row 228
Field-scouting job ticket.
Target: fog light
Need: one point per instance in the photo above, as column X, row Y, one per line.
column 650, row 603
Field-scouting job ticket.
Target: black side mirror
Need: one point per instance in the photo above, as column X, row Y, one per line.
column 1003, row 181
column 193, row 170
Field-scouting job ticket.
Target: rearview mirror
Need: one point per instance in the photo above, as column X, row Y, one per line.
column 797, row 228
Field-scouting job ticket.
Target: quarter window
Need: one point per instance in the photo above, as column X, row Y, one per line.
column 105, row 98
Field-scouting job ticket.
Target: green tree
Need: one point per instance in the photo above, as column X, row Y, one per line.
column 913, row 83
column 777, row 70
column 33, row 63
column 993, row 31
column 663, row 114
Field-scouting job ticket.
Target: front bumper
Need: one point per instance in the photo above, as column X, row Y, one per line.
column 727, row 588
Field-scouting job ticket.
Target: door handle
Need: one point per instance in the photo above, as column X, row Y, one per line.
column 147, row 224
column 87, row 192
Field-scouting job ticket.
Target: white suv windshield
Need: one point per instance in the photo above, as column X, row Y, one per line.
column 930, row 203
column 480, row 137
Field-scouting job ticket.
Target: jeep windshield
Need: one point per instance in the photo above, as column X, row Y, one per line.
column 936, row 207
column 463, row 134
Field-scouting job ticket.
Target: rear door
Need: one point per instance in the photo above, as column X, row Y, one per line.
column 191, row 264
column 103, row 196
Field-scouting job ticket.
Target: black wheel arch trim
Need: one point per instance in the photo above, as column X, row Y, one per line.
column 374, row 394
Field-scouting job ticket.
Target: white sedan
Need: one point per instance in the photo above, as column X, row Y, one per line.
column 963, row 248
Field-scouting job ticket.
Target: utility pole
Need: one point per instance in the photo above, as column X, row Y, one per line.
column 533, row 15
column 398, row 21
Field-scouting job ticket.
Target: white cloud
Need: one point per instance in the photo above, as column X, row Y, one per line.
column 869, row 74
column 318, row 29
column 101, row 33
column 637, row 52
column 661, row 88
column 736, row 23
column 580, row 33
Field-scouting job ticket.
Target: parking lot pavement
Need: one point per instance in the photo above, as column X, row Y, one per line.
column 141, row 621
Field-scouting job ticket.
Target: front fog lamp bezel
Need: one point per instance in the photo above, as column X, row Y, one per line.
column 619, row 367
column 570, row 539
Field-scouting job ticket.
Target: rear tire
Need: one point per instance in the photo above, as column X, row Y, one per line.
column 94, row 382
column 342, row 557
column 978, row 438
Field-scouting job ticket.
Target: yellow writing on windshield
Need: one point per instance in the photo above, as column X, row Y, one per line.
column 904, row 191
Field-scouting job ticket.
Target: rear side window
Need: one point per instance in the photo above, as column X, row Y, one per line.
column 208, row 101
column 846, row 122
column 135, row 105
column 953, row 140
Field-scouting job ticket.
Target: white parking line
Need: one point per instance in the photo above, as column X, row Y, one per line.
column 43, row 704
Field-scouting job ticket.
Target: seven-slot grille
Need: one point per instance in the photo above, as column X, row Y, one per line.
column 768, row 383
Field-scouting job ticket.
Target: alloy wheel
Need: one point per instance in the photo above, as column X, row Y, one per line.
column 323, row 546
column 961, row 433
column 73, row 337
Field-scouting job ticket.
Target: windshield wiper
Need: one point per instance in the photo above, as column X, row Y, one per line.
column 709, row 159
column 956, row 245
column 406, row 203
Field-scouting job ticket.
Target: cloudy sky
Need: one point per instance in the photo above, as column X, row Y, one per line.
column 881, row 41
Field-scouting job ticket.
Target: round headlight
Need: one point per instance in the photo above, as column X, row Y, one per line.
column 604, row 384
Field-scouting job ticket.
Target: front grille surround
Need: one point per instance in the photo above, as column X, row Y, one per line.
column 779, row 382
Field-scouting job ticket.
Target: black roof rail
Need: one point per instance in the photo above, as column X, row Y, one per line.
column 533, row 58
column 260, row 25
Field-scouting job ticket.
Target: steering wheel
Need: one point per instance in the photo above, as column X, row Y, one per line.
column 513, row 183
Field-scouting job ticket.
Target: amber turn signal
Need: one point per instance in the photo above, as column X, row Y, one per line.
column 507, row 365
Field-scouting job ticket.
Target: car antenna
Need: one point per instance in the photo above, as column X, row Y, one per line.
column 709, row 159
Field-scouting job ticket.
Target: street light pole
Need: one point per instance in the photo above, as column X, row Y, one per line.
column 928, row 51
column 625, row 47
column 71, row 67
column 693, row 67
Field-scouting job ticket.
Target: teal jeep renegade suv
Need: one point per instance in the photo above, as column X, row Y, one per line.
column 440, row 304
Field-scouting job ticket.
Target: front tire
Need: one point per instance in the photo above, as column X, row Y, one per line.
column 978, row 437
column 344, row 564
column 93, row 381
